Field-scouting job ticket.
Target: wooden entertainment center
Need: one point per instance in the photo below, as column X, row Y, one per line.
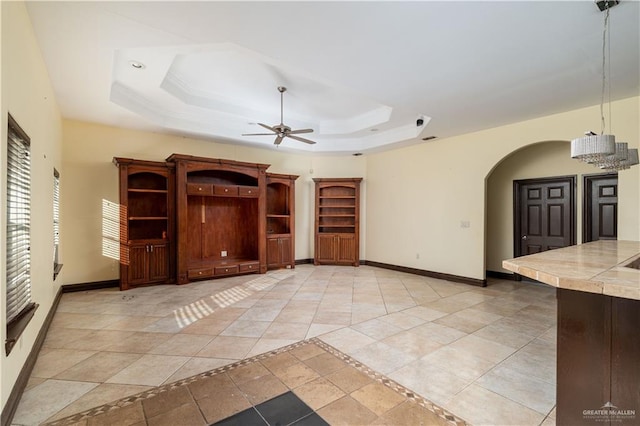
column 191, row 218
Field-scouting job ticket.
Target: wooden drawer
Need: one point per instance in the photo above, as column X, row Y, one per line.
column 196, row 273
column 228, row 190
column 248, row 191
column 225, row 270
column 199, row 189
column 250, row 267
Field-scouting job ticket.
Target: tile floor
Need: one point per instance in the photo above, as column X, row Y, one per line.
column 487, row 355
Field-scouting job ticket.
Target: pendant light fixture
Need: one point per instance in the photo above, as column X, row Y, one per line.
column 602, row 150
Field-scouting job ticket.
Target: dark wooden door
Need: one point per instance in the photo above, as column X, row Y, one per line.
column 600, row 207
column 544, row 214
column 138, row 264
column 158, row 262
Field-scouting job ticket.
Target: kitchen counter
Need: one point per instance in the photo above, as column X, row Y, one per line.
column 598, row 293
column 598, row 267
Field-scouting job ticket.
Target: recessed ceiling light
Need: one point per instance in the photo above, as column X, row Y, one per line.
column 137, row 65
column 357, row 154
column 428, row 138
column 373, row 130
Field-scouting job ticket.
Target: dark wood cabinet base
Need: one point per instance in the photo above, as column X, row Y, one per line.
column 598, row 359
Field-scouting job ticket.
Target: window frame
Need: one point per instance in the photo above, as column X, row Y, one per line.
column 18, row 322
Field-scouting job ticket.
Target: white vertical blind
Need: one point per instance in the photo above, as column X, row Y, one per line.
column 18, row 223
column 56, row 216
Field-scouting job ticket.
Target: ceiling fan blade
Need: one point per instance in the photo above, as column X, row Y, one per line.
column 268, row 127
column 295, row 132
column 278, row 140
column 298, row 138
column 257, row 134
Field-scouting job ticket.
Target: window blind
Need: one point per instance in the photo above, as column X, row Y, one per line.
column 18, row 223
column 56, row 216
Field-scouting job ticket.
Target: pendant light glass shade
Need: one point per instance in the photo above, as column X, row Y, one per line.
column 631, row 160
column 593, row 148
column 611, row 162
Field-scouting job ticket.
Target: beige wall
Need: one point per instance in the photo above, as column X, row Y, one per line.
column 90, row 178
column 27, row 95
column 418, row 197
column 540, row 160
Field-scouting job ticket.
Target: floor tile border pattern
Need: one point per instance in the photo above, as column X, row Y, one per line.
column 407, row 393
column 126, row 401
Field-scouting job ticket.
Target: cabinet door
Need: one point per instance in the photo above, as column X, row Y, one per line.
column 346, row 252
column 138, row 266
column 273, row 252
column 158, row 262
column 326, row 248
column 286, row 257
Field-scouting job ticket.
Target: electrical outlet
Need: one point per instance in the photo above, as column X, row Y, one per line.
column 465, row 224
column 223, row 253
column 417, row 255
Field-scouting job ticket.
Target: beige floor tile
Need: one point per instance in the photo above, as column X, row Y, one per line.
column 376, row 329
column 139, row 342
column 402, row 320
column 182, row 344
column 246, row 328
column 461, row 363
column 99, row 340
column 84, row 321
column 346, row 411
column 332, row 317
column 430, row 381
column 525, row 389
column 44, row 400
column 207, row 326
column 132, row 323
column 507, row 336
column 55, row 361
column 264, row 345
column 287, row 330
column 411, row 343
column 58, row 337
column 196, row 366
column 260, row 314
column 483, row 348
column 99, row 367
column 316, row 330
column 383, row 358
column 481, row 406
column 98, row 396
column 378, row 398
column 318, row 393
column 438, row 333
column 347, row 340
column 426, row 314
column 296, row 315
column 466, row 325
column 229, row 347
column 149, row 370
column 169, row 324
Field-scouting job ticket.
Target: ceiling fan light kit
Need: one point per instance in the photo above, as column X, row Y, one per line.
column 281, row 130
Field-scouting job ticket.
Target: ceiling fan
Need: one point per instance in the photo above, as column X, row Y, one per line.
column 281, row 130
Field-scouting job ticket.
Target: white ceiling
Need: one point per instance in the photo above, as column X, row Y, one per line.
column 359, row 73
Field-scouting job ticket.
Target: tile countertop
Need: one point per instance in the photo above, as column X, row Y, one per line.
column 596, row 267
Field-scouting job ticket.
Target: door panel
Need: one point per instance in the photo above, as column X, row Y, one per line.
column 544, row 214
column 346, row 248
column 138, row 263
column 325, row 248
column 600, row 207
